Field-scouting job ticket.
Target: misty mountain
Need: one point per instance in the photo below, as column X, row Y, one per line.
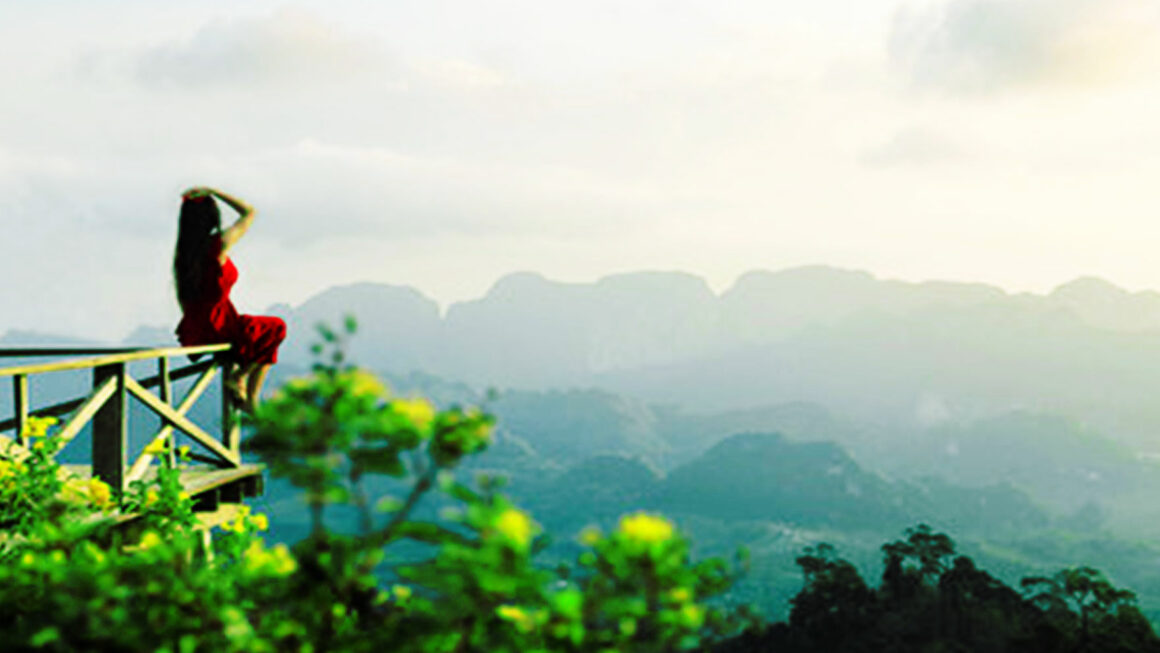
column 528, row 327
column 765, row 306
column 152, row 336
column 25, row 338
column 399, row 328
column 931, row 352
column 571, row 426
column 766, row 477
column 596, row 490
column 1107, row 306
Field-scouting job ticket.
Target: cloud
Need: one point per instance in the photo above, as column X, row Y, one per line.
column 986, row 46
column 322, row 189
column 913, row 146
column 457, row 73
column 287, row 47
column 317, row 190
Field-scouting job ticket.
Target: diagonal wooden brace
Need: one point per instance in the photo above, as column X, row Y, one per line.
column 182, row 422
column 137, row 471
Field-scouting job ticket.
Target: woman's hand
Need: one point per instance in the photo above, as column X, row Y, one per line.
column 243, row 209
column 196, row 192
column 240, row 226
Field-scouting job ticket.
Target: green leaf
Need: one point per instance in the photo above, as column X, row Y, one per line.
column 327, row 334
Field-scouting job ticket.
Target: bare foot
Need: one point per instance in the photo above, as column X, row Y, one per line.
column 237, row 394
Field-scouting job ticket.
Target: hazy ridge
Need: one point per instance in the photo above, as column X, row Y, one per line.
column 797, row 406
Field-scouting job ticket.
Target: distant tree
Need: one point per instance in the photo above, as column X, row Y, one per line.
column 1083, row 601
column 981, row 613
column 933, row 601
column 835, row 609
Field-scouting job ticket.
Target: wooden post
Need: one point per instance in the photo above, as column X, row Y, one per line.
column 231, row 429
column 20, row 402
column 165, row 391
column 110, row 430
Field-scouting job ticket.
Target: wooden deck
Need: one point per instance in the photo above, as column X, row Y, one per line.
column 217, row 488
column 198, row 480
column 216, row 493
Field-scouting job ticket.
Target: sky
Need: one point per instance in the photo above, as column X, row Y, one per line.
column 442, row 144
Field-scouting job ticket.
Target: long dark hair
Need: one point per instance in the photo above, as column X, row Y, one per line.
column 195, row 263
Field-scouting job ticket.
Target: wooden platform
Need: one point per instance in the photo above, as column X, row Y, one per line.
column 215, row 492
column 217, row 487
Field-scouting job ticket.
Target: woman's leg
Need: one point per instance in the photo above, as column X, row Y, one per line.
column 255, row 379
column 236, row 381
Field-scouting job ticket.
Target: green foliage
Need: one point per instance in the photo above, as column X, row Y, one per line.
column 70, row 580
column 30, row 484
column 481, row 588
column 931, row 600
column 163, row 503
column 471, row 580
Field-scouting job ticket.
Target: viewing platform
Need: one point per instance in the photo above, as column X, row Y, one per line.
column 217, row 482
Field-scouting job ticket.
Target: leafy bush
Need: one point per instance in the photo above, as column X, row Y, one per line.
column 70, row 580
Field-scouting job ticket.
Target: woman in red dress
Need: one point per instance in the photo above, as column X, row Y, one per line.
column 204, row 274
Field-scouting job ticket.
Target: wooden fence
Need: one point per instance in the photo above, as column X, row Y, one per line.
column 106, row 406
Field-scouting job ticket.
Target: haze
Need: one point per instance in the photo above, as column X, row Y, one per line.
column 444, row 144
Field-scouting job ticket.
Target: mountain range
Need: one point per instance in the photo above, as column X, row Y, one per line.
column 907, row 355
column 898, row 356
column 797, row 405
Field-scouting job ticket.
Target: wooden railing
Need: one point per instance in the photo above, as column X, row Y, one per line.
column 106, row 406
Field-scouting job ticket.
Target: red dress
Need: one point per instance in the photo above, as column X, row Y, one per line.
column 212, row 320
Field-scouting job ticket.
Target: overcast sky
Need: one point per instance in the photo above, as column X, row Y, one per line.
column 444, row 143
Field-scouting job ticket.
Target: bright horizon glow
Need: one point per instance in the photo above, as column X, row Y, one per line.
column 442, row 145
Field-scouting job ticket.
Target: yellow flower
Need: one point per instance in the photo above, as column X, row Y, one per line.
column 100, row 494
column 511, row 612
column 692, row 615
column 419, row 412
column 75, row 491
column 260, row 522
column 151, row 497
column 645, row 528
column 590, row 536
column 401, row 592
column 184, row 496
column 298, row 384
column 482, row 431
column 255, row 555
column 157, row 448
column 277, row 561
column 149, row 540
column 284, row 562
column 37, row 427
column 363, row 382
column 515, row 614
column 516, row 526
column 183, row 451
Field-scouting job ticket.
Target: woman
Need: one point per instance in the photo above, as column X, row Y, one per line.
column 204, row 274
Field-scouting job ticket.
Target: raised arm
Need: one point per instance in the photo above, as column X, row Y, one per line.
column 234, row 232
